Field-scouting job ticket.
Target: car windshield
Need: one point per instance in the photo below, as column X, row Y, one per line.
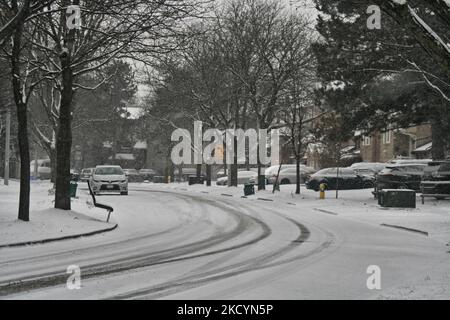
column 86, row 171
column 130, row 171
column 108, row 171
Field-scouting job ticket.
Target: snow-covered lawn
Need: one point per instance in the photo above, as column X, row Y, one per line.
column 45, row 222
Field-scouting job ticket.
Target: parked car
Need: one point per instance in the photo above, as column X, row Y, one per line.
column 74, row 175
column 436, row 179
column 44, row 169
column 221, row 172
column 107, row 179
column 400, row 176
column 147, row 174
column 368, row 168
column 344, row 179
column 410, row 161
column 86, row 174
column 273, row 170
column 243, row 177
column 133, row 175
column 289, row 175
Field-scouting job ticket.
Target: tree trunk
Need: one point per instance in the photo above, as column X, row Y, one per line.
column 22, row 134
column 234, row 166
column 208, row 175
column 438, row 134
column 64, row 138
column 297, row 184
column 198, row 171
column 24, row 147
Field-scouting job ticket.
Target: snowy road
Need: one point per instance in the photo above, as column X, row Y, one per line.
column 180, row 245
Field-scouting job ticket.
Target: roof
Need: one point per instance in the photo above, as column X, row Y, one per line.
column 424, row 148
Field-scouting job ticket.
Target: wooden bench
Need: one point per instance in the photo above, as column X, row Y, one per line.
column 100, row 205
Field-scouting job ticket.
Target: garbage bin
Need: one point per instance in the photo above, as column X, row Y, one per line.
column 401, row 198
column 195, row 180
column 261, row 182
column 73, row 190
column 249, row 189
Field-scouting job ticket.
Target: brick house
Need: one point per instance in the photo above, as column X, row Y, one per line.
column 391, row 144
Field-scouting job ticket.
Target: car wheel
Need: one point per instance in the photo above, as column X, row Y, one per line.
column 285, row 181
column 124, row 193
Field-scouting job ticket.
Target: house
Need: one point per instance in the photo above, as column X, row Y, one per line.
column 382, row 146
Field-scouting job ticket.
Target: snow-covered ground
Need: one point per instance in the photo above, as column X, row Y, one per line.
column 432, row 217
column 196, row 242
column 45, row 222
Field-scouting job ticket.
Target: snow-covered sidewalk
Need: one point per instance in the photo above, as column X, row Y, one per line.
column 45, row 222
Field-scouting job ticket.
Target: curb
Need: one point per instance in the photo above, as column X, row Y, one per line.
column 27, row 243
column 264, row 199
column 404, row 228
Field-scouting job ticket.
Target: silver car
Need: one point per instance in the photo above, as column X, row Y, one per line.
column 109, row 179
column 289, row 175
column 243, row 177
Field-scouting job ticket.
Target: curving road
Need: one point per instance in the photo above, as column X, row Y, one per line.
column 179, row 245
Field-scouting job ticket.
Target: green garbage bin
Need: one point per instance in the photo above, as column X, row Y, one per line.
column 73, row 189
column 249, row 189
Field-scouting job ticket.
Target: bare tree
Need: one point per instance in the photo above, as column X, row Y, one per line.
column 109, row 30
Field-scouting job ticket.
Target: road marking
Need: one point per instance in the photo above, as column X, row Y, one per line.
column 264, row 199
column 326, row 211
column 404, row 228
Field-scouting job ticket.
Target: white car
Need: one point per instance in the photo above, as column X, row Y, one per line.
column 109, row 179
column 44, row 169
column 272, row 171
column 289, row 175
column 243, row 178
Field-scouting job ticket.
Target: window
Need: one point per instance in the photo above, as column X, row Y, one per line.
column 366, row 141
column 387, row 137
column 108, row 171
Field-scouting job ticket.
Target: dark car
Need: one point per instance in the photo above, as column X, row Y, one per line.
column 341, row 178
column 133, row 175
column 74, row 175
column 436, row 179
column 400, row 176
column 147, row 174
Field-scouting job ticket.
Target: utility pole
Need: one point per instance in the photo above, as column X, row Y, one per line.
column 7, row 144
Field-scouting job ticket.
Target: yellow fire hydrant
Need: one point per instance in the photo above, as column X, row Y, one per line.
column 322, row 190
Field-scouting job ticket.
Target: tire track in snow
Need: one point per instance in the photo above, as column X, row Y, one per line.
column 263, row 262
column 154, row 258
